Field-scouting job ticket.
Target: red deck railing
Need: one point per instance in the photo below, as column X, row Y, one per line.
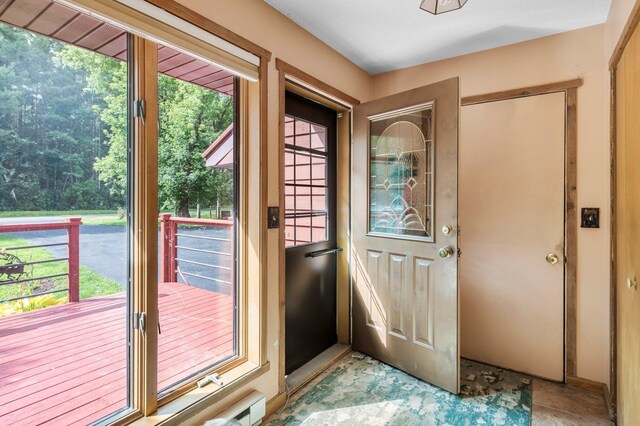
column 72, row 259
column 169, row 245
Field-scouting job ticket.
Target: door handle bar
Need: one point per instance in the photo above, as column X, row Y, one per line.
column 323, row 252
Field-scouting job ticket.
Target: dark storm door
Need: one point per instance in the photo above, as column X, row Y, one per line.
column 310, row 230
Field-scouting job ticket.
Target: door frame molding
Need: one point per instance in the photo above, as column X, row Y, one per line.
column 631, row 25
column 570, row 89
column 299, row 82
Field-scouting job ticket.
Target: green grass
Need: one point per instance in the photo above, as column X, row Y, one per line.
column 106, row 220
column 91, row 283
column 27, row 213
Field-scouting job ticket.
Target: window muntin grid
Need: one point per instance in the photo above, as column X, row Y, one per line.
column 306, row 208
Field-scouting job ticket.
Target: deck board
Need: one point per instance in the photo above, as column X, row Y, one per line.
column 66, row 364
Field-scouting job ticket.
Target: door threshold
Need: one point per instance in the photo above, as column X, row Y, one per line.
column 313, row 368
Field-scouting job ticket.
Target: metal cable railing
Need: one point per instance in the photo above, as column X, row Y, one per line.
column 202, row 249
column 13, row 270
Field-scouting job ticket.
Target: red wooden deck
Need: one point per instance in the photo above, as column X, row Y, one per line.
column 67, row 364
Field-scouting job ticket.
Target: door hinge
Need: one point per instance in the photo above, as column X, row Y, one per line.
column 140, row 323
column 139, row 109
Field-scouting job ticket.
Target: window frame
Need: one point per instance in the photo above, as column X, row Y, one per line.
column 250, row 358
column 250, row 120
column 250, row 117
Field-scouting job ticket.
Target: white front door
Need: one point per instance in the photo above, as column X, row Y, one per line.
column 511, row 225
column 404, row 240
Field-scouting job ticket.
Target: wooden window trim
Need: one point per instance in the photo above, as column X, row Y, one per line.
column 207, row 24
column 251, row 361
column 144, row 25
column 144, row 358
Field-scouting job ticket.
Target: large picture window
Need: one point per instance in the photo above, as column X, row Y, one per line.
column 197, row 203
column 64, row 258
column 88, row 332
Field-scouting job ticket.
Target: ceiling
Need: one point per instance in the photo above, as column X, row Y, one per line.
column 384, row 35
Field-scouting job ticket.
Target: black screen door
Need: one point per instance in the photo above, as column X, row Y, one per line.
column 310, row 230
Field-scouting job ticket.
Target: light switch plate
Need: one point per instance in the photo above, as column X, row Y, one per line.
column 590, row 217
column 273, row 217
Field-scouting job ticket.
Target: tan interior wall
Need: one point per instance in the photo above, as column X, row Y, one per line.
column 551, row 59
column 263, row 25
column 556, row 58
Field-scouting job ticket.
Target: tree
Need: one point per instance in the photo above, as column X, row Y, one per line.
column 63, row 130
column 107, row 82
column 48, row 125
column 191, row 118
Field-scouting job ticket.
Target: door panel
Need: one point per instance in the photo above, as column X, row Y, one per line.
column 511, row 218
column 405, row 296
column 310, row 230
column 627, row 233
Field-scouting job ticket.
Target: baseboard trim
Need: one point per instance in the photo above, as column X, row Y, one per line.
column 275, row 403
column 585, row 384
column 607, row 402
column 594, row 387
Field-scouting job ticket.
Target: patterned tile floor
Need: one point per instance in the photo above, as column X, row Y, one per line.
column 552, row 404
column 359, row 390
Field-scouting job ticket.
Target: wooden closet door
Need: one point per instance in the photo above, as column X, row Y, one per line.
column 627, row 232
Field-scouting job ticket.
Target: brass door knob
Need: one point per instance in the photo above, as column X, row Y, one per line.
column 632, row 283
column 552, row 259
column 445, row 252
column 447, row 230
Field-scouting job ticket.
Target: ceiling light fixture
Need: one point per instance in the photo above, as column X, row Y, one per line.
column 437, row 7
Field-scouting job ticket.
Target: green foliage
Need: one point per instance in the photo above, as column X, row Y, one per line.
column 31, row 304
column 50, row 130
column 85, row 195
column 191, row 118
column 33, row 213
column 106, row 79
column 63, row 131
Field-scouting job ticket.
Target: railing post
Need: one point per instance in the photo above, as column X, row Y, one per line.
column 232, row 257
column 73, row 253
column 173, row 252
column 165, row 247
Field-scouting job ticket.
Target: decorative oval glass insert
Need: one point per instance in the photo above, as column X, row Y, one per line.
column 401, row 174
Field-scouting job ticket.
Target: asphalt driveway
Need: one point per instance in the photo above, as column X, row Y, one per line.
column 104, row 250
